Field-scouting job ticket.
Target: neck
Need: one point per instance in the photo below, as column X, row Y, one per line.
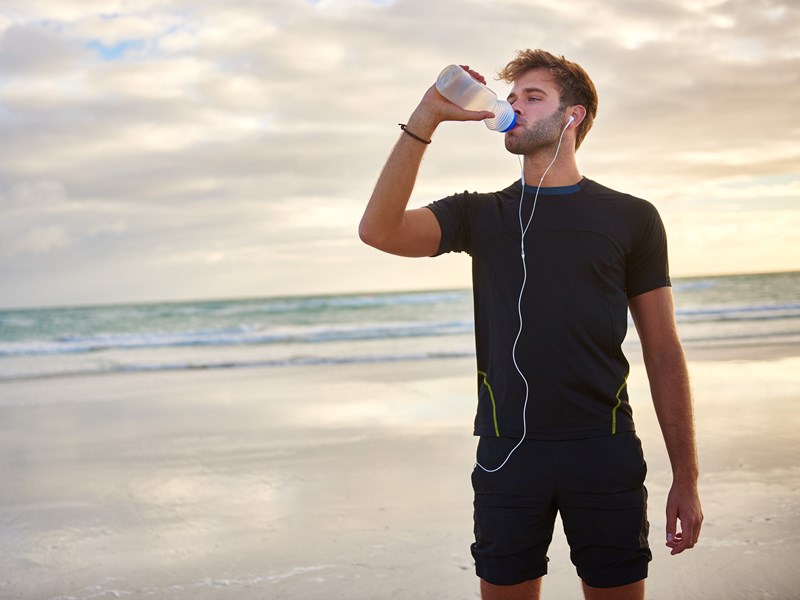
column 563, row 172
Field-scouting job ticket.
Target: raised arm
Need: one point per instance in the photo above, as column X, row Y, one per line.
column 387, row 224
column 654, row 316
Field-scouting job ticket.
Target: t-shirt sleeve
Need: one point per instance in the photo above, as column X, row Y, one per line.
column 453, row 214
column 648, row 263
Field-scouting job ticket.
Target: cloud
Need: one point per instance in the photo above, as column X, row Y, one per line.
column 29, row 226
column 33, row 51
column 39, row 240
column 235, row 144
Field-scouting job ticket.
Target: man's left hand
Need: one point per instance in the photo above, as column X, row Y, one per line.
column 683, row 504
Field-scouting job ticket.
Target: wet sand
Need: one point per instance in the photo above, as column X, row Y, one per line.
column 352, row 482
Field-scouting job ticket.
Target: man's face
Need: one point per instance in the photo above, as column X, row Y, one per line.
column 535, row 98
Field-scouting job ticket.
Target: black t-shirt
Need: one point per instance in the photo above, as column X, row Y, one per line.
column 587, row 250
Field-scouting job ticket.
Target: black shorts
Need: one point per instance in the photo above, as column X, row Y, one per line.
column 596, row 484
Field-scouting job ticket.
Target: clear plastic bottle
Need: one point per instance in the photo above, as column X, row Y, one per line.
column 463, row 90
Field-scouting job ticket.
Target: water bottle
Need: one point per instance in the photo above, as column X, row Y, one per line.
column 463, row 90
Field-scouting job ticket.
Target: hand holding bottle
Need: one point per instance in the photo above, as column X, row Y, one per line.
column 435, row 108
column 468, row 90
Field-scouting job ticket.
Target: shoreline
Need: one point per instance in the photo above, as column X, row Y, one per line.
column 696, row 351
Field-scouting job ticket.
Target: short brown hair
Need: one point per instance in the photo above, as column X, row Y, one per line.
column 576, row 86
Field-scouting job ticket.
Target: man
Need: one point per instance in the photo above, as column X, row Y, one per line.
column 555, row 269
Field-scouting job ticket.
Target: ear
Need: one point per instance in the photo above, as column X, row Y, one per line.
column 578, row 112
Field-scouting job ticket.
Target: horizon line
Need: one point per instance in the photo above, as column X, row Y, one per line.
column 321, row 294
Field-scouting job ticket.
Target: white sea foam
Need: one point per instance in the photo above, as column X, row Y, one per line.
column 340, row 329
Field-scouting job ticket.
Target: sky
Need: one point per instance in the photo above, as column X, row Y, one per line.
column 167, row 150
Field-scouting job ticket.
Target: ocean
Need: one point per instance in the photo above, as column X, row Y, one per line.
column 356, row 328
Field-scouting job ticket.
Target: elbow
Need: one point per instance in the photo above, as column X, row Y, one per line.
column 369, row 235
column 364, row 233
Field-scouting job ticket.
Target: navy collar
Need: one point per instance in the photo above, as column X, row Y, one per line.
column 554, row 191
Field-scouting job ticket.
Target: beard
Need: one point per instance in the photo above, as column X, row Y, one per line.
column 544, row 134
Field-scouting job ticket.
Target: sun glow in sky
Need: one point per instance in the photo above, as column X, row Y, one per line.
column 156, row 150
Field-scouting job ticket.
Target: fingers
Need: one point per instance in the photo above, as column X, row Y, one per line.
column 687, row 537
column 673, row 537
column 437, row 108
column 697, row 529
column 441, row 109
column 680, row 542
column 683, row 506
column 483, row 114
column 474, row 74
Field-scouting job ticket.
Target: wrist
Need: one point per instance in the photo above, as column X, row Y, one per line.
column 422, row 124
column 685, row 477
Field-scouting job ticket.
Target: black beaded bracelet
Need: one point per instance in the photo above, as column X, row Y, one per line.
column 416, row 137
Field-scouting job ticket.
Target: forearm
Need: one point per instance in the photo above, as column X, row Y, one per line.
column 386, row 207
column 653, row 312
column 386, row 224
column 671, row 393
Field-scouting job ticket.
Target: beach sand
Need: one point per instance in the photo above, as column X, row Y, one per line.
column 352, row 482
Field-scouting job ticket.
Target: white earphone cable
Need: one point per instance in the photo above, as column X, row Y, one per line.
column 523, row 231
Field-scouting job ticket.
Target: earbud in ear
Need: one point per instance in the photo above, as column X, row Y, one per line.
column 571, row 119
